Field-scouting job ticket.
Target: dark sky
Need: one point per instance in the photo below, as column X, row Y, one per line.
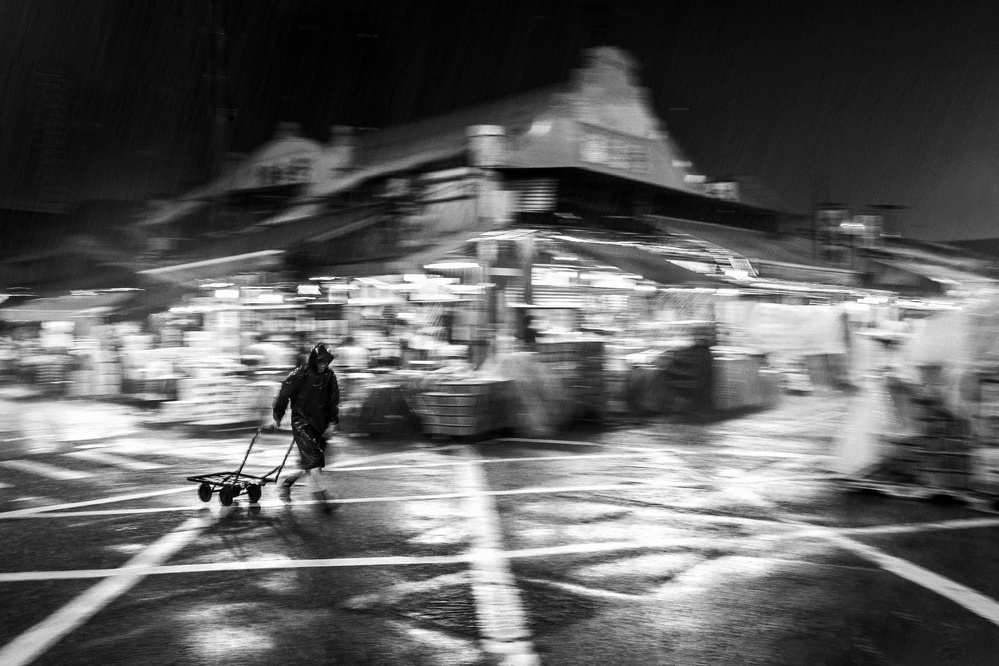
column 860, row 102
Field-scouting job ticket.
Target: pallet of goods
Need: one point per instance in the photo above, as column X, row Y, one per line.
column 579, row 366
column 463, row 407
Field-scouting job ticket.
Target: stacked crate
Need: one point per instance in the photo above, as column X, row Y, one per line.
column 210, row 400
column 463, row 407
column 741, row 381
column 579, row 366
column 940, row 456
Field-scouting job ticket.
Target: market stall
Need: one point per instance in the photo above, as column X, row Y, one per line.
column 923, row 422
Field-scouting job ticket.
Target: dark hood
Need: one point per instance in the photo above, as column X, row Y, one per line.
column 320, row 352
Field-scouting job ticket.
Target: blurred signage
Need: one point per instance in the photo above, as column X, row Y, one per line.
column 287, row 161
column 723, row 189
column 830, row 218
column 598, row 146
column 283, row 172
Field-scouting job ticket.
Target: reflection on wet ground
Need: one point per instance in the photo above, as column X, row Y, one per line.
column 665, row 541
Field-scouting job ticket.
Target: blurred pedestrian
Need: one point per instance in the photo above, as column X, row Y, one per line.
column 353, row 357
column 314, row 395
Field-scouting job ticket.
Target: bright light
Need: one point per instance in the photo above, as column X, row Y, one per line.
column 216, row 285
column 414, row 277
column 695, row 266
column 371, row 282
column 270, row 298
column 540, row 128
column 451, row 265
column 227, row 293
column 308, row 289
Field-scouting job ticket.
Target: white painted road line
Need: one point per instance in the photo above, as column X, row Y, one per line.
column 500, row 613
column 115, row 460
column 407, row 560
column 42, row 510
column 51, row 512
column 976, row 602
column 247, row 565
column 346, row 467
column 46, row 470
column 349, row 562
column 37, row 640
column 961, row 524
column 562, row 442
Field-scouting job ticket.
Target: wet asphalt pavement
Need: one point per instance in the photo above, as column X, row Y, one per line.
column 652, row 542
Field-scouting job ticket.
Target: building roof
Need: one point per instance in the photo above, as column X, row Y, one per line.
column 447, row 133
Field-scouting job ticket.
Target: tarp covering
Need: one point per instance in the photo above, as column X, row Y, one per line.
column 630, row 256
column 64, row 308
column 927, row 278
column 788, row 329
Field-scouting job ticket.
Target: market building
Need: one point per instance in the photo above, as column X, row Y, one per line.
column 566, row 221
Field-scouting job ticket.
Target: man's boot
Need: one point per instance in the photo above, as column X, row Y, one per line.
column 284, row 492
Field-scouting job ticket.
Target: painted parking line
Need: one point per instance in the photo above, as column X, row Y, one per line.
column 42, row 510
column 562, row 442
column 976, row 602
column 115, row 460
column 906, row 528
column 53, row 513
column 498, row 608
column 476, row 555
column 38, row 639
column 46, row 470
column 651, row 543
column 350, row 467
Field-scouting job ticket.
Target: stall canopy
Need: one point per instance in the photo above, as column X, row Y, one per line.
column 65, row 308
column 773, row 256
column 634, row 257
column 918, row 278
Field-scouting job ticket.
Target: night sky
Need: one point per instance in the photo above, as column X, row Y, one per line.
column 857, row 102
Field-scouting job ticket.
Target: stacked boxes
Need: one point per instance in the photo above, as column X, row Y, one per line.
column 210, row 400
column 463, row 408
column 936, row 462
column 945, row 462
column 579, row 366
column 741, row 381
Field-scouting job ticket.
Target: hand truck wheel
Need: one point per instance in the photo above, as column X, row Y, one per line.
column 205, row 492
column 253, row 492
column 225, row 495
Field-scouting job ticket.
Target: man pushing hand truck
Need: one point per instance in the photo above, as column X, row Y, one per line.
column 314, row 395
